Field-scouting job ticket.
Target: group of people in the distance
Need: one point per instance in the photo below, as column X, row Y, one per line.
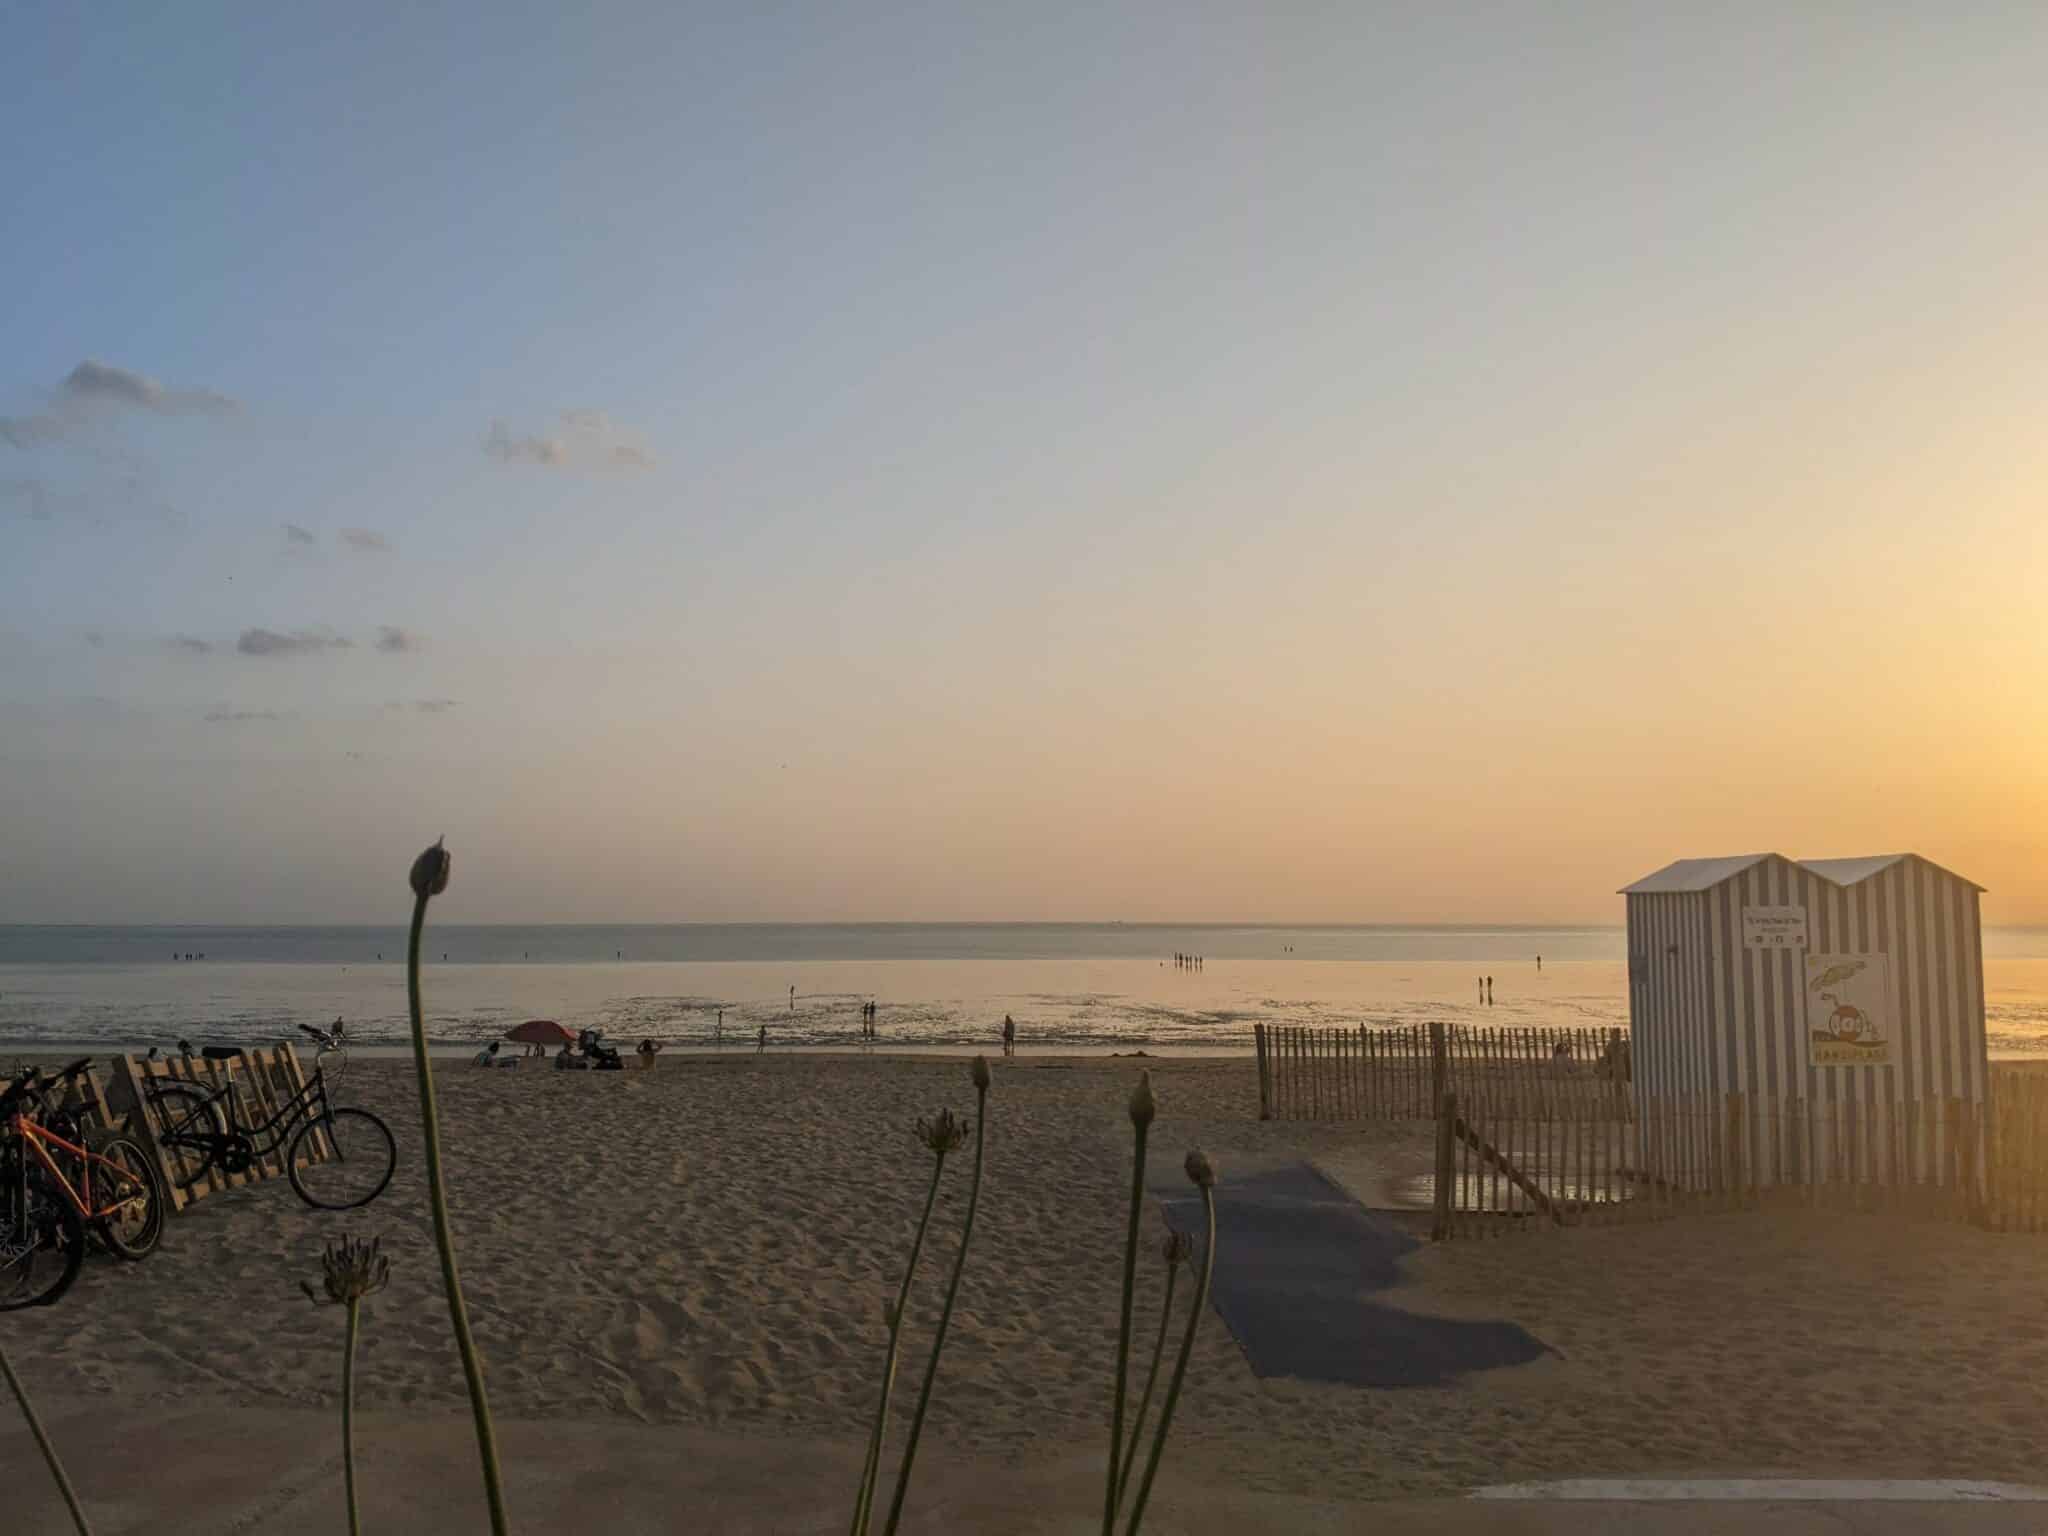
column 1188, row 962
column 587, row 1053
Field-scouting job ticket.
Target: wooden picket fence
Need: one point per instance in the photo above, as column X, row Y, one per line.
column 1398, row 1072
column 1522, row 1166
column 264, row 1081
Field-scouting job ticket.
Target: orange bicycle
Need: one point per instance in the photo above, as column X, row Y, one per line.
column 55, row 1181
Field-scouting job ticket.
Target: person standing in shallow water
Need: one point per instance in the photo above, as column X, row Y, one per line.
column 1009, row 1035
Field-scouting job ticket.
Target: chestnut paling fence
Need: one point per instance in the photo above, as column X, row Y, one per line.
column 1399, row 1072
column 1538, row 1129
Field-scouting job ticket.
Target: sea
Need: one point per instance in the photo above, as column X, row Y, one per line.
column 1082, row 987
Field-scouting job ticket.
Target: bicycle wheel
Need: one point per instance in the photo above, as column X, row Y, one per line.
column 184, row 1111
column 360, row 1157
column 133, row 1229
column 41, row 1247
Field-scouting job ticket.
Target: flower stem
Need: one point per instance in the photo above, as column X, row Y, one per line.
column 931, row 1370
column 1180, row 1364
column 1151, row 1380
column 348, row 1416
column 864, row 1504
column 1123, row 1335
column 444, row 1237
column 35, row 1427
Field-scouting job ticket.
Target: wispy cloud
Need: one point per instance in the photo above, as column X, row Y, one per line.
column 240, row 716
column 189, row 645
column 294, row 534
column 96, row 381
column 95, row 386
column 434, row 706
column 297, row 642
column 576, row 440
column 364, row 541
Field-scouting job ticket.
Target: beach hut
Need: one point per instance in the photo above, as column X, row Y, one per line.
column 1849, row 991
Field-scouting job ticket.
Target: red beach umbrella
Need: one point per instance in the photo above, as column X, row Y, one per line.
column 539, row 1032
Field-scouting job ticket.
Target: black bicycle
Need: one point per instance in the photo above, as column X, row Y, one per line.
column 336, row 1158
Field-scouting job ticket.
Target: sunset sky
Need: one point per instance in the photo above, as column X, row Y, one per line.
column 987, row 462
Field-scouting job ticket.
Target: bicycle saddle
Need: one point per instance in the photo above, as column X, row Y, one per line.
column 220, row 1052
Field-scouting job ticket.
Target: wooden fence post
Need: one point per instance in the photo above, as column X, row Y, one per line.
column 1438, row 1068
column 1446, row 1178
column 1265, row 1073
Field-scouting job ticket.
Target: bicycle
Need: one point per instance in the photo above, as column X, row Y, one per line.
column 202, row 1129
column 57, row 1186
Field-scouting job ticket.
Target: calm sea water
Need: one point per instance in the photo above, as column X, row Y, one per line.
column 1072, row 986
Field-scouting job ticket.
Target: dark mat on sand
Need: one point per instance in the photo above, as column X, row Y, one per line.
column 1295, row 1259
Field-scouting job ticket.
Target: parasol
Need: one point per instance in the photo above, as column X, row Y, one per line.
column 540, row 1032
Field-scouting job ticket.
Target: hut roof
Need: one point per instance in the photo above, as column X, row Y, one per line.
column 1705, row 874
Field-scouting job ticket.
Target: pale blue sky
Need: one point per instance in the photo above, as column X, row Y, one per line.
column 1164, row 461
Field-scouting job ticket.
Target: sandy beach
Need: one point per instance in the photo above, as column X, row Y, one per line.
column 708, row 1245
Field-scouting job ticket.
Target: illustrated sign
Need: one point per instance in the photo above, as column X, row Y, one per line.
column 1849, row 1010
column 1774, row 927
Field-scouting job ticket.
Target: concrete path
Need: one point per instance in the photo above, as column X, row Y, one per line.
column 241, row 1472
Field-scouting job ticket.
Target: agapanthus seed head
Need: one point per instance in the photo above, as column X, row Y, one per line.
column 349, row 1271
column 1177, row 1250
column 430, row 870
column 1143, row 1106
column 1201, row 1172
column 943, row 1133
column 979, row 1072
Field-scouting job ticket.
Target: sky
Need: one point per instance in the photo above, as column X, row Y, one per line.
column 1148, row 462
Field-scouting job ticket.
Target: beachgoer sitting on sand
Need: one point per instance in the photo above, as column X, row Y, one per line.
column 487, row 1057
column 647, row 1050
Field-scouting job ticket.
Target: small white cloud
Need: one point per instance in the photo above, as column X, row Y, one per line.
column 578, row 440
column 298, row 642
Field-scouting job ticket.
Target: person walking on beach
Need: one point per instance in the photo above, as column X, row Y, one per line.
column 718, row 1032
column 1489, row 991
column 761, row 1040
column 1539, row 962
column 792, row 999
column 1009, row 1035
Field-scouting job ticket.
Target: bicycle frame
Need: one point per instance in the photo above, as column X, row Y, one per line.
column 267, row 1139
column 38, row 1139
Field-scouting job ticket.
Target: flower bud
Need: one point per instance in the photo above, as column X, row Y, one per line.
column 1177, row 1250
column 1201, row 1172
column 942, row 1134
column 1142, row 1105
column 980, row 1074
column 430, row 871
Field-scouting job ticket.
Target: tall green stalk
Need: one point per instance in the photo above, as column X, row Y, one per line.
column 35, row 1427
column 863, row 1503
column 1142, row 1110
column 1203, row 1176
column 429, row 879
column 348, row 1417
column 1123, row 1478
column 931, row 1370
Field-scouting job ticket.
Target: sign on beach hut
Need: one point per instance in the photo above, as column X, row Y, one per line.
column 1852, row 985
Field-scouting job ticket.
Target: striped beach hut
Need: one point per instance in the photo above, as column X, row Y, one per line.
column 1850, row 986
